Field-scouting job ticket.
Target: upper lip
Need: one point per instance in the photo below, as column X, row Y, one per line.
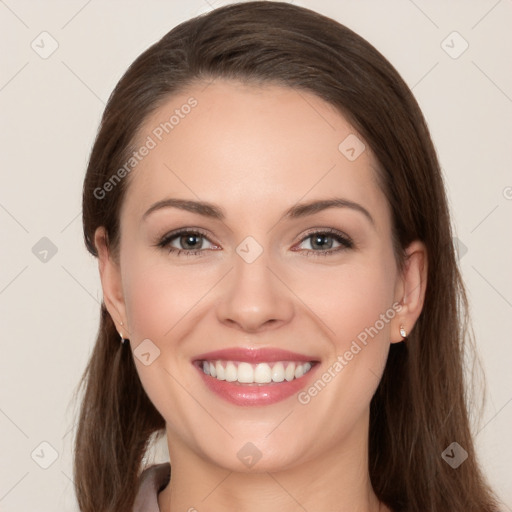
column 254, row 355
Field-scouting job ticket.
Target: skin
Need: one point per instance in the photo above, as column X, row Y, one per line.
column 256, row 151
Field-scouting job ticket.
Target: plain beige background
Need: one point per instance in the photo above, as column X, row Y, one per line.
column 50, row 109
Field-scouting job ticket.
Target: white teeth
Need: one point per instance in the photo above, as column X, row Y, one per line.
column 261, row 373
column 245, row 373
column 278, row 372
column 231, row 372
column 289, row 373
column 221, row 374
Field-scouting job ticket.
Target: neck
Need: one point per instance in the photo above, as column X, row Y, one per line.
column 338, row 481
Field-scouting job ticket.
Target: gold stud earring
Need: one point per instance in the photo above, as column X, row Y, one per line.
column 403, row 332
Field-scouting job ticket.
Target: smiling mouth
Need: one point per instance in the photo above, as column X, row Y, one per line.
column 255, row 373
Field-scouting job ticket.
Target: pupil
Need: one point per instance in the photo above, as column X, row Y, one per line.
column 320, row 242
column 187, row 240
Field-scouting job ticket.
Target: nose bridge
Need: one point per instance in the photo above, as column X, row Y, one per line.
column 252, row 274
column 253, row 296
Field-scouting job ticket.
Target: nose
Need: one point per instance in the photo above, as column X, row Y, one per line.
column 254, row 298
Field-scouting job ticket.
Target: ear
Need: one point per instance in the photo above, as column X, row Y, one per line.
column 410, row 290
column 111, row 283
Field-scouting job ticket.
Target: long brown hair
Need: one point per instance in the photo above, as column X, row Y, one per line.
column 420, row 406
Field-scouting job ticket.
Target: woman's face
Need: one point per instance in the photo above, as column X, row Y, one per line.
column 284, row 266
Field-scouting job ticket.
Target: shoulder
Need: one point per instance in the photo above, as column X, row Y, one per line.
column 151, row 481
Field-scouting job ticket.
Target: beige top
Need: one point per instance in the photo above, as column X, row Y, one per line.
column 151, row 482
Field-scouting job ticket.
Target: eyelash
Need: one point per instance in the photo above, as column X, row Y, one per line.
column 344, row 240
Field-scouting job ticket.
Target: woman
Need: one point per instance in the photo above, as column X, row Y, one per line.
column 281, row 294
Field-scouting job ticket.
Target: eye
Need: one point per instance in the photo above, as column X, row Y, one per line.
column 326, row 242
column 187, row 242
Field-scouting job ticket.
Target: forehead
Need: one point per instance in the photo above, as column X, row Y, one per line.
column 250, row 144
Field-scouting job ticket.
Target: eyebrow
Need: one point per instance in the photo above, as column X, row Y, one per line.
column 297, row 211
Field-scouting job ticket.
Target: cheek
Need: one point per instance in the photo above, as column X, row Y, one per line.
column 158, row 296
column 352, row 300
column 357, row 306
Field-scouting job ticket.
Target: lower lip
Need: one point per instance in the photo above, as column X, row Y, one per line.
column 255, row 394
